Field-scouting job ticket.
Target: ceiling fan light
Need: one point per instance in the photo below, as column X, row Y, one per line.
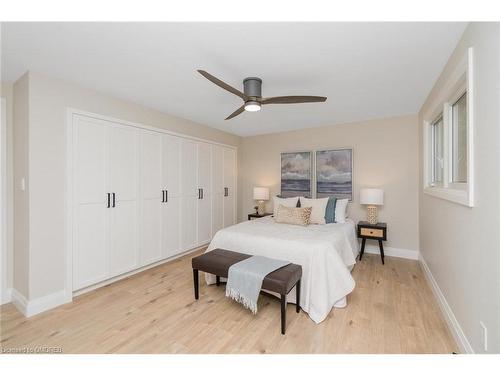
column 252, row 106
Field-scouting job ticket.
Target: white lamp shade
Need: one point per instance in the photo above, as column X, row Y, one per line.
column 371, row 196
column 260, row 193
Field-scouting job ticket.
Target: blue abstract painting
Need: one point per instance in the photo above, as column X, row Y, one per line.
column 334, row 174
column 296, row 174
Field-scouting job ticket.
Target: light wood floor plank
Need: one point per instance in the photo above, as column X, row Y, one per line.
column 392, row 310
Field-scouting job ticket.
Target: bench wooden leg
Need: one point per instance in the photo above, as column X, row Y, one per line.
column 217, row 280
column 196, row 286
column 297, row 303
column 283, row 313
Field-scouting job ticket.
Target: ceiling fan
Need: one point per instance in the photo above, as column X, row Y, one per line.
column 252, row 95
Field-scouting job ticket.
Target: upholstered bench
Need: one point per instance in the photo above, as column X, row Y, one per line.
column 218, row 261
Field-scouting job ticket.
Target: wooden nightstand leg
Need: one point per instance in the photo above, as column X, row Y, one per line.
column 362, row 248
column 381, row 247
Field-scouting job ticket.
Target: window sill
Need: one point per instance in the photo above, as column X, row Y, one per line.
column 453, row 195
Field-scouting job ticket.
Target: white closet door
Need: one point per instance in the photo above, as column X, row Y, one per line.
column 189, row 198
column 90, row 202
column 123, row 182
column 171, row 209
column 152, row 197
column 204, row 198
column 229, row 186
column 217, row 188
column 171, row 159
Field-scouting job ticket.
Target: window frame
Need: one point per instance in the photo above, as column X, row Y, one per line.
column 432, row 151
column 459, row 83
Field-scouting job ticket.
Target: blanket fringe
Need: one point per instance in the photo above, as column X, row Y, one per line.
column 248, row 303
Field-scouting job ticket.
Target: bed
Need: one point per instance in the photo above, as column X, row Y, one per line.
column 327, row 254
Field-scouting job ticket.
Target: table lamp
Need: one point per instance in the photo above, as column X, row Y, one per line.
column 261, row 194
column 372, row 198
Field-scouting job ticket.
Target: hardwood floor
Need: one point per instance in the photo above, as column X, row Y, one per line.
column 392, row 310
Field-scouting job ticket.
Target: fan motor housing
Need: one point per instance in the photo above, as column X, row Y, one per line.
column 252, row 86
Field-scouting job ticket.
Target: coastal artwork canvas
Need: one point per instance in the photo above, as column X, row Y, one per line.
column 296, row 174
column 334, row 174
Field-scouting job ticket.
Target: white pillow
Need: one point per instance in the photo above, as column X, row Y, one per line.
column 287, row 202
column 341, row 210
column 318, row 209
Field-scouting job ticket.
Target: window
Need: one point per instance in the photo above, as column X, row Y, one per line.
column 437, row 154
column 448, row 143
column 459, row 141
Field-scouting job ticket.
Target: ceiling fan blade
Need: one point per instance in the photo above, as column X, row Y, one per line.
column 236, row 113
column 223, row 85
column 293, row 99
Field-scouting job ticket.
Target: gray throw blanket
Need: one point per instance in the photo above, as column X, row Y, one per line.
column 245, row 279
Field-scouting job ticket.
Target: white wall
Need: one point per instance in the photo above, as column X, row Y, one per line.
column 460, row 244
column 384, row 154
column 48, row 100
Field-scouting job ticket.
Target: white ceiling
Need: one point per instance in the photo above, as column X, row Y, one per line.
column 367, row 70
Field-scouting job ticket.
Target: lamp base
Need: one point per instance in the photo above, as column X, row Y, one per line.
column 371, row 216
column 261, row 210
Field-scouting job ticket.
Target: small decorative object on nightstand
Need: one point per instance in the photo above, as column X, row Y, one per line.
column 261, row 194
column 367, row 231
column 372, row 198
column 257, row 216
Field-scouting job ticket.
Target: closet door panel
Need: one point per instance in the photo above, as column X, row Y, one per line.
column 229, row 185
column 204, row 168
column 123, row 238
column 90, row 161
column 204, row 220
column 151, row 232
column 189, row 221
column 171, row 227
column 123, row 161
column 89, row 246
column 151, row 165
column 171, row 158
column 217, row 213
column 151, row 192
column 217, row 170
column 217, row 182
column 189, row 169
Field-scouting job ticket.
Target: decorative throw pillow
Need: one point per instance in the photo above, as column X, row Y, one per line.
column 287, row 202
column 318, row 209
column 298, row 200
column 293, row 215
column 330, row 210
column 341, row 210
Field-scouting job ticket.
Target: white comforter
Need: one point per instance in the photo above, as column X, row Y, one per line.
column 326, row 253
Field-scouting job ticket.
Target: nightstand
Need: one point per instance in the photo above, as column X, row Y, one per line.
column 367, row 231
column 257, row 216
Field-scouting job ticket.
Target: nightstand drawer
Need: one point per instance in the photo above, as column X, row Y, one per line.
column 371, row 232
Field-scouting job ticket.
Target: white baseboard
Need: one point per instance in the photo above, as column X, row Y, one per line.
column 393, row 252
column 6, row 296
column 451, row 320
column 32, row 307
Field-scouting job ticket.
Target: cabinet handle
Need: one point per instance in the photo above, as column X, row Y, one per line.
column 109, row 200
column 162, row 196
column 114, row 202
column 201, row 193
column 166, row 195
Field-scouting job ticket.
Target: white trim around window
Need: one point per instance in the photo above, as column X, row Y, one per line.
column 459, row 83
